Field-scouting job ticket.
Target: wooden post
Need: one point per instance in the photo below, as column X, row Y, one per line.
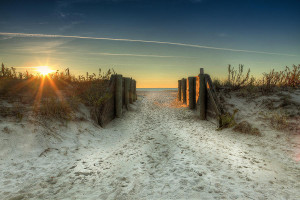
column 192, row 92
column 123, row 92
column 183, row 90
column 131, row 91
column 127, row 86
column 134, row 90
column 179, row 90
column 202, row 95
column 119, row 97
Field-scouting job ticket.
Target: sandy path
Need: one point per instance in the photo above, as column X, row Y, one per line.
column 158, row 151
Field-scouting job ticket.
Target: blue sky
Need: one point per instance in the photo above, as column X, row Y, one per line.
column 253, row 25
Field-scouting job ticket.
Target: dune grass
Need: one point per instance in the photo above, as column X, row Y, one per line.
column 56, row 95
column 242, row 84
column 240, row 80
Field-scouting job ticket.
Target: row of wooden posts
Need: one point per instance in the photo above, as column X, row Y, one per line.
column 196, row 92
column 125, row 93
column 120, row 92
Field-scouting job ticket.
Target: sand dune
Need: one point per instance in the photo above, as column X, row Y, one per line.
column 158, row 150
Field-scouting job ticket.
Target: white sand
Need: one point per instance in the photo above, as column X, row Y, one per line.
column 158, row 150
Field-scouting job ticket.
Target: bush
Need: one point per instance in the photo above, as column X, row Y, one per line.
column 227, row 120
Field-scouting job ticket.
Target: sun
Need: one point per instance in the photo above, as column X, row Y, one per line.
column 44, row 70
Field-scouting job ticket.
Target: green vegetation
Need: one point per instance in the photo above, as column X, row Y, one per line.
column 227, row 120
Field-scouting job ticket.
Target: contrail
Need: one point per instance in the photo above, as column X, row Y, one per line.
column 138, row 55
column 143, row 41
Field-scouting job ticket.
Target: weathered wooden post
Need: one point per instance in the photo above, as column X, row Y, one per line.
column 134, row 90
column 119, row 96
column 202, row 95
column 131, row 91
column 179, row 90
column 123, row 92
column 126, row 88
column 192, row 92
column 183, row 90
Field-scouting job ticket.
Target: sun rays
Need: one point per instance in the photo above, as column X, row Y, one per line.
column 48, row 84
column 44, row 70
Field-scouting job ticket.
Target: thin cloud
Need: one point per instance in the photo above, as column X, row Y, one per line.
column 143, row 41
column 6, row 38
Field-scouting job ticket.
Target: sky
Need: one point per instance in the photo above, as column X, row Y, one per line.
column 155, row 42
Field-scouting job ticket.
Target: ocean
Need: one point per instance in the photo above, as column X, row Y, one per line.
column 156, row 89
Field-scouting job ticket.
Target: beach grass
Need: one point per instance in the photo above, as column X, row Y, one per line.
column 56, row 95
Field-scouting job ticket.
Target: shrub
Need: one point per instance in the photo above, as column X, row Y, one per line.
column 227, row 120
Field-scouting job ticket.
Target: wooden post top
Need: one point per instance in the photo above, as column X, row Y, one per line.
column 201, row 70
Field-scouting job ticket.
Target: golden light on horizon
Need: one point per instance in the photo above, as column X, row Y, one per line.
column 44, row 70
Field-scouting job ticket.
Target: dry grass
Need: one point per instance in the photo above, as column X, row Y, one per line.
column 54, row 108
column 289, row 78
column 16, row 110
column 236, row 78
column 278, row 120
column 56, row 95
column 245, row 127
column 286, row 78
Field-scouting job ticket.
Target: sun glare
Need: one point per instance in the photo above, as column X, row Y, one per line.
column 44, row 70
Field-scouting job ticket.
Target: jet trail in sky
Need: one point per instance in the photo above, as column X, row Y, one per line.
column 143, row 41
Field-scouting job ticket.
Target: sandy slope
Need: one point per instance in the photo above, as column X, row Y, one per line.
column 158, row 150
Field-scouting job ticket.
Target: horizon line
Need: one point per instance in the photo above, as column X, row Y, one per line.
column 143, row 41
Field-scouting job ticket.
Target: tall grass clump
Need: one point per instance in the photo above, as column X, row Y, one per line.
column 237, row 78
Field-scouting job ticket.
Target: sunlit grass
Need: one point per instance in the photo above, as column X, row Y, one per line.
column 52, row 93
